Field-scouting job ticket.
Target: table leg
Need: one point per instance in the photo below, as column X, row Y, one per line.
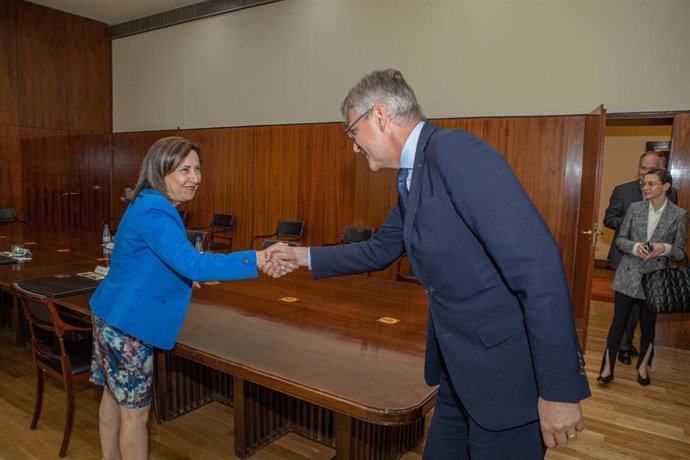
column 343, row 437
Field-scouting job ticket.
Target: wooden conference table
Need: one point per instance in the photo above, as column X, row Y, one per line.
column 339, row 361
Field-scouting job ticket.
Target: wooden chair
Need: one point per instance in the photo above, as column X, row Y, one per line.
column 53, row 354
column 220, row 232
column 287, row 231
column 404, row 271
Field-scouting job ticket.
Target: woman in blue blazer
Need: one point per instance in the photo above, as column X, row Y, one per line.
column 142, row 302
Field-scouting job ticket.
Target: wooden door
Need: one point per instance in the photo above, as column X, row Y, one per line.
column 588, row 216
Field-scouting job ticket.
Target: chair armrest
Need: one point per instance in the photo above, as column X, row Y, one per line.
column 254, row 238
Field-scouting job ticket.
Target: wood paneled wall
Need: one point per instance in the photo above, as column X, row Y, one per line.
column 55, row 115
column 310, row 172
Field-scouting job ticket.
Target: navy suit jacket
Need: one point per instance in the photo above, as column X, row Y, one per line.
column 500, row 314
column 620, row 200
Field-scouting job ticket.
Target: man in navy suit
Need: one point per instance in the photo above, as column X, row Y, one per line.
column 619, row 203
column 501, row 339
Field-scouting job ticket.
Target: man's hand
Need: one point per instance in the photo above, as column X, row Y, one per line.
column 277, row 260
column 559, row 421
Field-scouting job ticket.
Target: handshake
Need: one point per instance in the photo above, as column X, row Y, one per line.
column 281, row 259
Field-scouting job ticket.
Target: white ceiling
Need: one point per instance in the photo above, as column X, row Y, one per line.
column 114, row 11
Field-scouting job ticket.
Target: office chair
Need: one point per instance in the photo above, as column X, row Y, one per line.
column 193, row 234
column 220, row 232
column 287, row 231
column 270, row 242
column 112, row 223
column 404, row 271
column 8, row 215
column 67, row 361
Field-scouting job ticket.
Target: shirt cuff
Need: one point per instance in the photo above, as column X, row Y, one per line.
column 309, row 257
column 634, row 249
column 667, row 249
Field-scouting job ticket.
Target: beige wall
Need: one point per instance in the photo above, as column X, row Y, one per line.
column 293, row 61
column 622, row 149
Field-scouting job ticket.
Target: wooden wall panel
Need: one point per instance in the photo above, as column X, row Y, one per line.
column 42, row 62
column 327, row 196
column 128, row 149
column 45, row 175
column 9, row 80
column 89, row 180
column 279, row 176
column 11, row 195
column 546, row 153
column 89, row 103
column 227, row 161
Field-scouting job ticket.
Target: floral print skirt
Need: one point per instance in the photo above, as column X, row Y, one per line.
column 123, row 365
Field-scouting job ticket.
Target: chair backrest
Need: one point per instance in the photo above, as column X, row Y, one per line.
column 111, row 222
column 41, row 313
column 353, row 234
column 7, row 215
column 290, row 229
column 223, row 220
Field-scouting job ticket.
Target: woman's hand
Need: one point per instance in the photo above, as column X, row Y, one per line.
column 646, row 254
column 277, row 260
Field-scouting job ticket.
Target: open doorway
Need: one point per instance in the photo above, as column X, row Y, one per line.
column 623, row 145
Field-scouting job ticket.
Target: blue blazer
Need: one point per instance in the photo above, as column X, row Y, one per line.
column 147, row 291
column 500, row 314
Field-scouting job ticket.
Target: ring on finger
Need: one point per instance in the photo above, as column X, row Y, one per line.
column 572, row 436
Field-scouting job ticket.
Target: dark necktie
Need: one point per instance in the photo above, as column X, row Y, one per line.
column 402, row 186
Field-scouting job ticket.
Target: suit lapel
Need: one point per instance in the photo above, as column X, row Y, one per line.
column 415, row 186
column 665, row 221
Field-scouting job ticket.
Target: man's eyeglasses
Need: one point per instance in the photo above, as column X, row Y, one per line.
column 350, row 130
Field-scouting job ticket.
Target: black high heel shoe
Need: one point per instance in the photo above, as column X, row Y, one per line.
column 605, row 380
column 643, row 381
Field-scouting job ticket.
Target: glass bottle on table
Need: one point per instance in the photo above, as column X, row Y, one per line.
column 197, row 244
column 107, row 238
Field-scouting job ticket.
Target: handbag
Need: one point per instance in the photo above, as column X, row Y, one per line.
column 667, row 290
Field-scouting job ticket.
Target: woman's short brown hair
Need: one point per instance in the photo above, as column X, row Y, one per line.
column 164, row 156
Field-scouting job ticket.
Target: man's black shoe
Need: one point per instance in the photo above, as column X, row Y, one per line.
column 624, row 357
column 634, row 352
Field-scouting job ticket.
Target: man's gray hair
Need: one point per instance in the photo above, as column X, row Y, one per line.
column 659, row 155
column 387, row 87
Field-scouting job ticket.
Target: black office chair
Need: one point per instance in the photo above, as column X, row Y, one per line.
column 192, row 236
column 112, row 223
column 8, row 215
column 354, row 234
column 54, row 354
column 268, row 242
column 220, row 232
column 404, row 271
column 289, row 231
